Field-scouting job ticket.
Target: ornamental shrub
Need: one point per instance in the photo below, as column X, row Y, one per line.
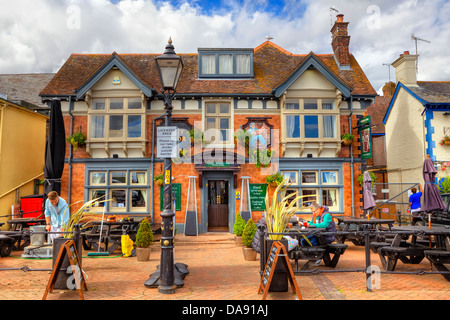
column 239, row 225
column 248, row 233
column 144, row 236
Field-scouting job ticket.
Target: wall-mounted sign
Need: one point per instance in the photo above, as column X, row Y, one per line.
column 366, row 138
column 257, row 196
column 166, row 142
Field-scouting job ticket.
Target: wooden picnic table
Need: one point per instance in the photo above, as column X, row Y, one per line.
column 359, row 224
column 18, row 226
column 414, row 250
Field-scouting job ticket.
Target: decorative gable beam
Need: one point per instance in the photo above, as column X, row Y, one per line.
column 313, row 62
column 115, row 61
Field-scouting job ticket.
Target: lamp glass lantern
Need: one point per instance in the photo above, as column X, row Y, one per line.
column 169, row 67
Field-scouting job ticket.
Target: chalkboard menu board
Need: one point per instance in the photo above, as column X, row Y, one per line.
column 257, row 196
column 277, row 250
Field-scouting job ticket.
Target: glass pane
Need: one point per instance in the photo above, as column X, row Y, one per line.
column 116, row 104
column 95, row 194
column 329, row 177
column 293, row 126
column 290, row 176
column 97, row 127
column 138, row 177
column 211, row 108
column 115, row 126
column 328, row 104
column 289, row 192
column 329, row 126
column 98, row 178
column 119, row 199
column 329, row 197
column 134, row 103
column 243, row 64
column 224, row 123
column 138, row 198
column 310, row 196
column 223, row 135
column 225, row 64
column 134, row 126
column 210, row 123
column 208, row 64
column 118, row 177
column 98, row 104
column 310, row 104
column 292, row 105
column 311, row 126
column 309, row 177
column 224, row 108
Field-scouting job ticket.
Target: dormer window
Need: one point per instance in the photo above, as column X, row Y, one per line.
column 225, row 63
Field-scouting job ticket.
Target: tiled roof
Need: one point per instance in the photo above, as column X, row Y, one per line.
column 433, row 91
column 272, row 66
column 377, row 111
column 24, row 87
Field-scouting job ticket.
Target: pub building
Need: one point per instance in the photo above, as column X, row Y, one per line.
column 296, row 106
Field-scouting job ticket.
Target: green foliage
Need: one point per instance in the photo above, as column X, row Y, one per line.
column 248, row 233
column 239, row 225
column 276, row 177
column 144, row 236
column 78, row 139
column 347, row 136
column 444, row 185
column 159, row 178
column 361, row 178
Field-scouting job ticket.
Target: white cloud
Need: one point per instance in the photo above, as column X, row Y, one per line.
column 37, row 36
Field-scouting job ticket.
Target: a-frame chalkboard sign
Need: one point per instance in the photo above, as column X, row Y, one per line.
column 68, row 248
column 277, row 250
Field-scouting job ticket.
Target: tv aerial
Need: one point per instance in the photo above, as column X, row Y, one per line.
column 332, row 8
column 413, row 37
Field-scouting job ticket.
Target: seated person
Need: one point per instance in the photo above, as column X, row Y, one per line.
column 321, row 218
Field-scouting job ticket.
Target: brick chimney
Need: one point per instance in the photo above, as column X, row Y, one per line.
column 406, row 69
column 340, row 42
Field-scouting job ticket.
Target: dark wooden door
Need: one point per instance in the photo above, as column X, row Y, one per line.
column 217, row 204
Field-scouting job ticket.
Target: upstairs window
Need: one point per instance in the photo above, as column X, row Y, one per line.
column 225, row 63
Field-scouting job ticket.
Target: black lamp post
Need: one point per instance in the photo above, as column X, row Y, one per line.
column 169, row 68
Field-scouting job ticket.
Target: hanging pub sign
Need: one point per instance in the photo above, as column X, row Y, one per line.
column 257, row 196
column 366, row 138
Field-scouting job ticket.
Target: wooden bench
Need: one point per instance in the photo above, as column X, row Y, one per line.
column 438, row 258
column 336, row 249
column 310, row 254
column 374, row 246
column 6, row 245
column 389, row 256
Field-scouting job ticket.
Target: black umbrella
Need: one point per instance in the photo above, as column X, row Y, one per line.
column 55, row 149
column 432, row 199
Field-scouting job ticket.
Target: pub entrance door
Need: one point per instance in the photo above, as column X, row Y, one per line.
column 218, row 205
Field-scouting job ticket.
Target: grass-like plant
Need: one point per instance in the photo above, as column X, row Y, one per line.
column 282, row 209
column 444, row 185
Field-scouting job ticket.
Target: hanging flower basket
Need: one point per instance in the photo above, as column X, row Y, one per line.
column 78, row 139
column 347, row 139
column 445, row 141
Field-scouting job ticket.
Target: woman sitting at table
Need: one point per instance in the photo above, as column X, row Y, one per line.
column 321, row 218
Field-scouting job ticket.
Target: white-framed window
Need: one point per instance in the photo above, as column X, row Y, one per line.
column 218, row 122
column 229, row 63
column 116, row 119
column 311, row 119
column 125, row 191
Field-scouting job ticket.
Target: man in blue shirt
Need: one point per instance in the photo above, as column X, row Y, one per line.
column 56, row 214
column 414, row 199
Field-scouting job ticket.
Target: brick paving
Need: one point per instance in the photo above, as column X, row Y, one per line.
column 217, row 271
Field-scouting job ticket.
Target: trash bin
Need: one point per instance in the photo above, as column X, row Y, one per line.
column 39, row 238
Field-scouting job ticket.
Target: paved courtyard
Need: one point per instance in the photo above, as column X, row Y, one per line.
column 217, row 271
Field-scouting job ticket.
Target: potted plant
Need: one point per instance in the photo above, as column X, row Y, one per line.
column 347, row 139
column 144, row 239
column 78, row 139
column 159, row 179
column 274, row 179
column 247, row 239
column 196, row 135
column 238, row 229
column 445, row 141
column 444, row 185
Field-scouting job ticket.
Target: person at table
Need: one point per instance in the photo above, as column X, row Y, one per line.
column 321, row 218
column 414, row 200
column 56, row 213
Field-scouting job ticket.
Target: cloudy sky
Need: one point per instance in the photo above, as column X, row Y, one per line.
column 39, row 35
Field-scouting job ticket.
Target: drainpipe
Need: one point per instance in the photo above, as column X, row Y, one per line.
column 351, row 157
column 70, row 152
column 152, row 212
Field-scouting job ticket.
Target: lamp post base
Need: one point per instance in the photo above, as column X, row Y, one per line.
column 179, row 273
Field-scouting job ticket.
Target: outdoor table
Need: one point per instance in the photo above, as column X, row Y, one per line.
column 361, row 225
column 413, row 252
column 111, row 234
column 18, row 226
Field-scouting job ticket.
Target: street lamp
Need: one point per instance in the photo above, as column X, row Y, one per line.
column 169, row 67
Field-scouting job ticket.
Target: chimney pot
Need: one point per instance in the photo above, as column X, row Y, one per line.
column 340, row 18
column 406, row 52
